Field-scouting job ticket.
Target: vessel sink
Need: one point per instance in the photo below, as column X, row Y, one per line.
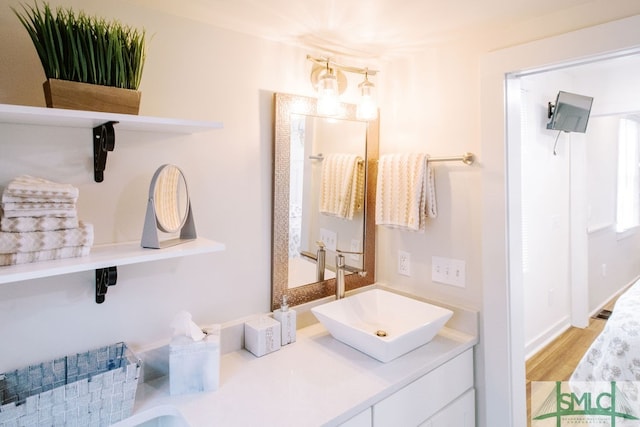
column 382, row 324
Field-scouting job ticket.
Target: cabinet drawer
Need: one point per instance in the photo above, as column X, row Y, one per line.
column 424, row 397
column 363, row 419
column 460, row 413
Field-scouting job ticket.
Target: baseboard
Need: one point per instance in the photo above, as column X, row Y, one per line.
column 614, row 295
column 545, row 338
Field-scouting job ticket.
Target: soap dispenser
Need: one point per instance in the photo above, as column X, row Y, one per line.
column 287, row 319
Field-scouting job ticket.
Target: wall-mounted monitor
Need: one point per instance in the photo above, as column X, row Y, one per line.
column 570, row 113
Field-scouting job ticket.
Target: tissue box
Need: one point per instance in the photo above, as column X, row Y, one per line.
column 194, row 366
column 262, row 336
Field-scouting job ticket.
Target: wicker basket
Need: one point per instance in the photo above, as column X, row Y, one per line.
column 96, row 388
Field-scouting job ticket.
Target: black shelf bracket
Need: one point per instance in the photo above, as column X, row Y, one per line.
column 104, row 140
column 105, row 277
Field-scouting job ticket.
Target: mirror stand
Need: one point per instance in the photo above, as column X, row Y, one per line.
column 150, row 233
column 168, row 209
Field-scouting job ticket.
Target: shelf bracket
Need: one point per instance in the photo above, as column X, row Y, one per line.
column 104, row 140
column 105, row 277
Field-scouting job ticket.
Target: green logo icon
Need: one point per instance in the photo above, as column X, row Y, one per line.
column 585, row 403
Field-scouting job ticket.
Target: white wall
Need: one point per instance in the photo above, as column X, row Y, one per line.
column 429, row 102
column 192, row 71
column 545, row 192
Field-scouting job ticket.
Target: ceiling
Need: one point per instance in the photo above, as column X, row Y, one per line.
column 361, row 28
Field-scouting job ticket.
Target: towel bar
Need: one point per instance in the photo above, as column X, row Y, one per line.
column 466, row 158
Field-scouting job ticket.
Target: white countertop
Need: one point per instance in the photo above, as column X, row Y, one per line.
column 315, row 381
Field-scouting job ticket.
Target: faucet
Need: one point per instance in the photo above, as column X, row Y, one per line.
column 320, row 261
column 340, row 270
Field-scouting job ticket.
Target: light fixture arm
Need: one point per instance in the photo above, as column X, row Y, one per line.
column 329, row 63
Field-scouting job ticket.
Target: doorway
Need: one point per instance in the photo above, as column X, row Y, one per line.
column 503, row 352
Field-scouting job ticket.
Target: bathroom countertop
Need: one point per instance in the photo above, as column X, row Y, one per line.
column 315, row 381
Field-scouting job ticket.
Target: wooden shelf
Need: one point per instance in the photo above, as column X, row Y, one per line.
column 103, row 256
column 20, row 114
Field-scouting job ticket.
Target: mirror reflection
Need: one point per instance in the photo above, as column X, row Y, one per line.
column 171, row 199
column 324, row 180
column 326, row 202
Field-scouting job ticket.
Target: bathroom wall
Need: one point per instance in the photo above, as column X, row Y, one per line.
column 192, row 71
column 430, row 101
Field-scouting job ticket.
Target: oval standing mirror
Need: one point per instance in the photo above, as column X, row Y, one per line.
column 168, row 210
column 318, row 209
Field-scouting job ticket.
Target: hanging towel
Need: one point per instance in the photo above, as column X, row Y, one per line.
column 341, row 187
column 45, row 240
column 32, row 187
column 405, row 192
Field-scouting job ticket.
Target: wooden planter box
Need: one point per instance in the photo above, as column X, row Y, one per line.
column 89, row 97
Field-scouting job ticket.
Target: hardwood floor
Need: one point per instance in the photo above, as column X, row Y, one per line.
column 558, row 360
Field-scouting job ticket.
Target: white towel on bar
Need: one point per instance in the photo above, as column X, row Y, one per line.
column 405, row 193
column 342, row 185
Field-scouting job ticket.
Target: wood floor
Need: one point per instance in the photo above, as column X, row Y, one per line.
column 558, row 360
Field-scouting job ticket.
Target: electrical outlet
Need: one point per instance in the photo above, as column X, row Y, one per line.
column 329, row 238
column 404, row 263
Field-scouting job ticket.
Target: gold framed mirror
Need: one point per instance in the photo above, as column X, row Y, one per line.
column 305, row 144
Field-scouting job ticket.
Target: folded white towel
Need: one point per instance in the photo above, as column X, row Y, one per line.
column 405, row 193
column 44, row 255
column 29, row 186
column 40, row 223
column 45, row 212
column 341, row 187
column 46, row 240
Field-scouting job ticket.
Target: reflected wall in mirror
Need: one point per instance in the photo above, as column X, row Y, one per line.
column 323, row 199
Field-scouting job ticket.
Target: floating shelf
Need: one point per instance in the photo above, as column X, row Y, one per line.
column 105, row 256
column 20, row 114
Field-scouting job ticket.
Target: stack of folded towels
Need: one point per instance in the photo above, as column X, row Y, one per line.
column 39, row 222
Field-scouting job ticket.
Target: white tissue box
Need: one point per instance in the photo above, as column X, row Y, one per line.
column 262, row 335
column 194, row 366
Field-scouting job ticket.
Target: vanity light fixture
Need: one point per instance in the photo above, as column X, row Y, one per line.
column 329, row 80
column 328, row 96
column 367, row 107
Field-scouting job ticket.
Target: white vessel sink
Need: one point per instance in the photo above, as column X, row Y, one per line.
column 382, row 324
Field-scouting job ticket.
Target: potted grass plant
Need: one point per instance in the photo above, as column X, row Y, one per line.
column 90, row 63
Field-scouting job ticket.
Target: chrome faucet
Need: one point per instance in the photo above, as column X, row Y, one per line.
column 340, row 270
column 320, row 261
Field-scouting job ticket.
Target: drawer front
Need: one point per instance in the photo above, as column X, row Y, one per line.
column 363, row 419
column 427, row 395
column 460, row 413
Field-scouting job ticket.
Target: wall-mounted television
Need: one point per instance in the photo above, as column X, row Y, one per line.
column 570, row 113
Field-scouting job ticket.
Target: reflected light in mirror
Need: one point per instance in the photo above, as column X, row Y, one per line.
column 367, row 106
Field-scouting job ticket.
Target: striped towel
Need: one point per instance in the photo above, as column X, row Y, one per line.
column 41, row 223
column 39, row 188
column 45, row 240
column 405, row 193
column 342, row 185
column 44, row 255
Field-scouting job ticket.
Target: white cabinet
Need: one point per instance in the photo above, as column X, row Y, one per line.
column 425, row 397
column 102, row 256
column 460, row 413
column 363, row 419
